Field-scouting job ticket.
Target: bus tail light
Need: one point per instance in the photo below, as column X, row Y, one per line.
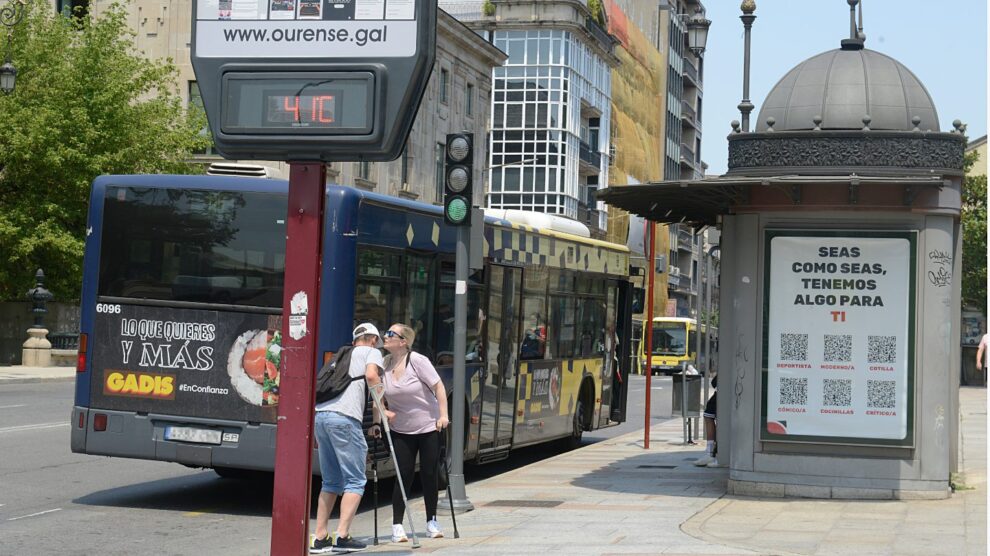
column 81, row 358
column 100, row 422
column 82, row 419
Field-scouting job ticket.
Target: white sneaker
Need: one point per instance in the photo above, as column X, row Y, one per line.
column 704, row 460
column 398, row 533
column 714, row 463
column 433, row 529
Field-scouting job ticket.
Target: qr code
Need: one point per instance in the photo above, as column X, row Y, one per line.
column 837, row 392
column 793, row 391
column 880, row 393
column 794, row 347
column 881, row 349
column 838, row 347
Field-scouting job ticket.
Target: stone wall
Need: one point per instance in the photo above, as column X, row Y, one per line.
column 16, row 318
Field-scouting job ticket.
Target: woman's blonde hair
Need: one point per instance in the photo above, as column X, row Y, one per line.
column 408, row 334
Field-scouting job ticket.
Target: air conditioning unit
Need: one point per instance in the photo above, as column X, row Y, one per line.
column 245, row 170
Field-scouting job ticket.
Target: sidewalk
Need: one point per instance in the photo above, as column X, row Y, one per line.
column 19, row 374
column 615, row 498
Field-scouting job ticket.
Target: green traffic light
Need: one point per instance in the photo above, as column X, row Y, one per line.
column 457, row 210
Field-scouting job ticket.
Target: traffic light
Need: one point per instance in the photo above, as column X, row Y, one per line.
column 457, row 183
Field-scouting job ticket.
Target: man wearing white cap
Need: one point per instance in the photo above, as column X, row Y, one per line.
column 342, row 446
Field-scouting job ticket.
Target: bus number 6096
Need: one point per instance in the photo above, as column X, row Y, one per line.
column 108, row 308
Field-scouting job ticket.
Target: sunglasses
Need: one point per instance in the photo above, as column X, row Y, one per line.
column 390, row 334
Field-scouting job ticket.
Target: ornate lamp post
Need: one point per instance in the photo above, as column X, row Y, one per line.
column 10, row 15
column 698, row 32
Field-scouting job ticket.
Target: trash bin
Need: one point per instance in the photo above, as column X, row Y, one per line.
column 693, row 395
column 971, row 376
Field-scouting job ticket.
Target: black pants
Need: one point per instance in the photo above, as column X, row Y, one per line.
column 406, row 447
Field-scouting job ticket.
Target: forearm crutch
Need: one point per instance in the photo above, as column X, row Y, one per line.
column 377, row 397
column 445, row 465
column 374, row 475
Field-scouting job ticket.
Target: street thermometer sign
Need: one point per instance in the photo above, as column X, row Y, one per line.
column 312, row 80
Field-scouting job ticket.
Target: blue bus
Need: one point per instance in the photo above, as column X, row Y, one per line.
column 181, row 315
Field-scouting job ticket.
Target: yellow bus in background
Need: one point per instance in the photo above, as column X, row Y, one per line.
column 673, row 343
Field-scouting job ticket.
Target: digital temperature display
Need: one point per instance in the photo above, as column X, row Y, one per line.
column 303, row 103
column 307, row 110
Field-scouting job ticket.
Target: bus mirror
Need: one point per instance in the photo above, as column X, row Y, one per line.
column 638, row 295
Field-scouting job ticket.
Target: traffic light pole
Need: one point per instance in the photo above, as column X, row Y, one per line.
column 455, row 478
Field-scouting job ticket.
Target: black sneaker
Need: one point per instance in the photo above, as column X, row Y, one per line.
column 348, row 544
column 321, row 546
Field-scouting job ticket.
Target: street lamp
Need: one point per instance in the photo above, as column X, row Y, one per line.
column 10, row 15
column 698, row 32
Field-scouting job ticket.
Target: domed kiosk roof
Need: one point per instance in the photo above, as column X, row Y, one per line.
column 842, row 86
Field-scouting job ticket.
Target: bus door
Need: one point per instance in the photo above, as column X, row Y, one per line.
column 620, row 296
column 498, row 390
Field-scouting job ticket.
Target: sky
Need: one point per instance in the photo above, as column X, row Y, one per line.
column 943, row 43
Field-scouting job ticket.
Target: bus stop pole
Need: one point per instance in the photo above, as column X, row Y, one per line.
column 455, row 478
column 648, row 348
column 300, row 305
column 685, row 425
column 698, row 313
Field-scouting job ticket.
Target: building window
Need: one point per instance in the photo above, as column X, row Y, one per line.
column 196, row 105
column 77, row 8
column 469, row 101
column 444, row 83
column 364, row 170
column 438, row 161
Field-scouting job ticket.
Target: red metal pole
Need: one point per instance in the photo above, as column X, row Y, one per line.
column 300, row 305
column 648, row 348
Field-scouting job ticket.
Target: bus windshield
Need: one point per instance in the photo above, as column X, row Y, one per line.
column 669, row 338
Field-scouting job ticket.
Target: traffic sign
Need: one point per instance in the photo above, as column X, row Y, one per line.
column 312, row 80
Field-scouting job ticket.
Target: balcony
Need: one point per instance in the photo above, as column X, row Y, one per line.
column 590, row 217
column 691, row 72
column 687, row 155
column 591, row 160
column 687, row 112
column 465, row 10
column 599, row 34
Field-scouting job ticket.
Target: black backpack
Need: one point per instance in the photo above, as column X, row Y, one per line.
column 335, row 376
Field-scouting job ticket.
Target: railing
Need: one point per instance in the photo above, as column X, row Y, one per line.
column 600, row 34
column 690, row 71
column 687, row 111
column 687, row 154
column 64, row 340
column 464, row 10
column 590, row 156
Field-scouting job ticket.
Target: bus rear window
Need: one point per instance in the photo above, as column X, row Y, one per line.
column 193, row 245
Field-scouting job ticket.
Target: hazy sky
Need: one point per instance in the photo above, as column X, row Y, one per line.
column 943, row 43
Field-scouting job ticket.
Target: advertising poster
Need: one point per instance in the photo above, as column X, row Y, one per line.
column 221, row 365
column 544, row 390
column 839, row 337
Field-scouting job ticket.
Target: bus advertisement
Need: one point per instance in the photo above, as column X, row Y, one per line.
column 180, row 338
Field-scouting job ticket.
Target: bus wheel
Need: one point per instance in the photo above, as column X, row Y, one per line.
column 577, row 427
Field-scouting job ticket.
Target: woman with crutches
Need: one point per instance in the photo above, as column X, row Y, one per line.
column 417, row 398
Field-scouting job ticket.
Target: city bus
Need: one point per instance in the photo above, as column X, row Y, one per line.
column 673, row 344
column 181, row 318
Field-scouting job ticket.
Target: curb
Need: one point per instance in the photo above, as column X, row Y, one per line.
column 32, row 380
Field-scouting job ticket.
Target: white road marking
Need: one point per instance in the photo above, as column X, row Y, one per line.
column 33, row 427
column 35, row 514
column 12, row 406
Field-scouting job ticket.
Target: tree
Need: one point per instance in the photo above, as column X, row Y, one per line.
column 86, row 103
column 974, row 230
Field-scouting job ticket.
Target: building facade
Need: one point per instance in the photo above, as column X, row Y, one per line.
column 551, row 106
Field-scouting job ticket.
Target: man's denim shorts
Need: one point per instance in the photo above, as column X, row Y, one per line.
column 343, row 452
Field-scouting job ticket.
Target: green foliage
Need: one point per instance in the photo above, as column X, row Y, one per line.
column 86, row 103
column 974, row 231
column 597, row 11
column 488, row 8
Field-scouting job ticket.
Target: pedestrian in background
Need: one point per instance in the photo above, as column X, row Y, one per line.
column 981, row 357
column 418, row 399
column 708, row 460
column 342, row 447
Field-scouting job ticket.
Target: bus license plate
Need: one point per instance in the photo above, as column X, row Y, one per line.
column 189, row 434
